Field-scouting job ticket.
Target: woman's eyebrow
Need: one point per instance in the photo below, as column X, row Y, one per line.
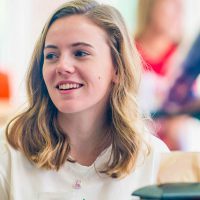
column 81, row 44
column 50, row 46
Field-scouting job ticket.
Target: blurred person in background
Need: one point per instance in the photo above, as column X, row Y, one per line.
column 158, row 34
column 158, row 37
column 182, row 103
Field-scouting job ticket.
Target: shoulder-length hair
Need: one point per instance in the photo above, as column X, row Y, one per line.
column 36, row 132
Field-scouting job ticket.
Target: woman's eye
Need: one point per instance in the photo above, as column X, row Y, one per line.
column 51, row 56
column 80, row 53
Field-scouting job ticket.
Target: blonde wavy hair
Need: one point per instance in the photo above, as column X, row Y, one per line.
column 36, row 132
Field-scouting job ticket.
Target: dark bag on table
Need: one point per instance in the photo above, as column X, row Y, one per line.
column 170, row 191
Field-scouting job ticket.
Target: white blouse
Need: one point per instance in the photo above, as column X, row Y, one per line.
column 21, row 180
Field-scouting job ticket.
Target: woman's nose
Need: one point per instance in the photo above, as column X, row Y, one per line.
column 65, row 66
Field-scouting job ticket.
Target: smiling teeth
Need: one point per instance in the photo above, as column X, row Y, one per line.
column 68, row 86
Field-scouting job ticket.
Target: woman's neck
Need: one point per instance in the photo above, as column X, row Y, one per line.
column 88, row 134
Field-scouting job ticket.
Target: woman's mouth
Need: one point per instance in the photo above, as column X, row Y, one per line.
column 69, row 86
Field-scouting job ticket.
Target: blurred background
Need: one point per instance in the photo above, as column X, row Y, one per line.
column 166, row 33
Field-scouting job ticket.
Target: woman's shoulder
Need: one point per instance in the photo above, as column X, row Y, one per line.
column 9, row 157
column 151, row 151
column 5, row 152
column 153, row 143
column 157, row 144
column 11, row 160
column 3, row 143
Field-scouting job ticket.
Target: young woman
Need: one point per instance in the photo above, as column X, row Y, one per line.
column 82, row 135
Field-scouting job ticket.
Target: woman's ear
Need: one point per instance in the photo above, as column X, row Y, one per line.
column 115, row 78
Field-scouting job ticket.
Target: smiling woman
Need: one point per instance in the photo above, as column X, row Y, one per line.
column 82, row 135
column 80, row 55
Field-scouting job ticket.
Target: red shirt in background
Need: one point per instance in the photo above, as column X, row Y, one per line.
column 159, row 65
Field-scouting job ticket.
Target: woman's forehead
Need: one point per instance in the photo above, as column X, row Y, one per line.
column 75, row 28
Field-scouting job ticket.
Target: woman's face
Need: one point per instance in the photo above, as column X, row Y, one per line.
column 78, row 70
column 166, row 16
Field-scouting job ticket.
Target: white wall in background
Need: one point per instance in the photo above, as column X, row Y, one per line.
column 15, row 43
